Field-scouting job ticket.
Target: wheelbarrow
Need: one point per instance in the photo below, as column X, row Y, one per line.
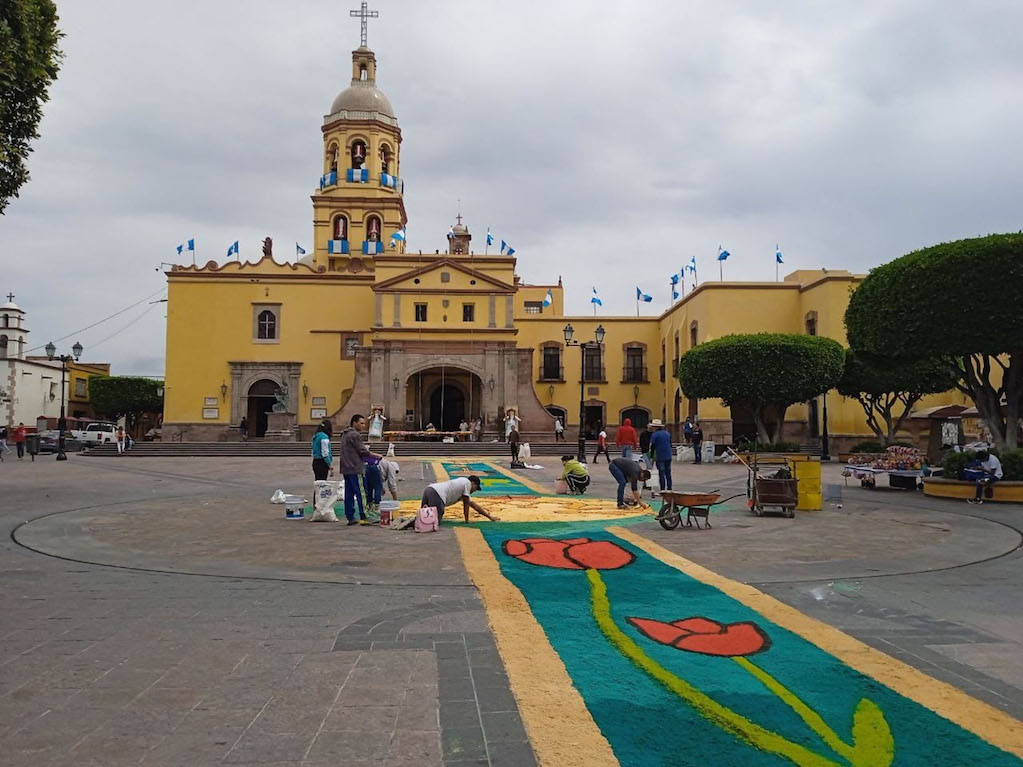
column 695, row 506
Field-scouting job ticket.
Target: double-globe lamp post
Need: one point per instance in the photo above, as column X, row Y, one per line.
column 598, row 334
column 51, row 353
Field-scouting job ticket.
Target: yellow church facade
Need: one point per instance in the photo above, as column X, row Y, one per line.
column 445, row 337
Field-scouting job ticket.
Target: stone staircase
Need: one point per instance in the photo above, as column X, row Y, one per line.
column 269, row 449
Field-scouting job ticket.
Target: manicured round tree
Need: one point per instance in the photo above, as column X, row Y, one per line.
column 765, row 372
column 887, row 389
column 128, row 396
column 959, row 301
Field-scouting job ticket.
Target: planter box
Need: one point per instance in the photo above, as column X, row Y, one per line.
column 1004, row 492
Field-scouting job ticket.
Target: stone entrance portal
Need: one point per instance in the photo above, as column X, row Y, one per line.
column 442, row 382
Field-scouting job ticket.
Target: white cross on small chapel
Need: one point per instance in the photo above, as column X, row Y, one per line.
column 363, row 13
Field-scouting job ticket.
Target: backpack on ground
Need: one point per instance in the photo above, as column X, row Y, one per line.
column 427, row 520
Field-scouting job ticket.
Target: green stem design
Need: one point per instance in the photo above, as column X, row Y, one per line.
column 807, row 714
column 723, row 717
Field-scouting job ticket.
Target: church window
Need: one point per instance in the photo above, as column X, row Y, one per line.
column 266, row 323
column 7, row 320
column 811, row 323
column 635, row 369
column 340, row 228
column 445, row 276
column 3, row 347
column 332, row 157
column 534, row 307
column 373, row 229
column 385, row 159
column 80, row 387
column 694, row 330
column 420, row 312
column 468, row 312
column 358, row 153
column 362, row 72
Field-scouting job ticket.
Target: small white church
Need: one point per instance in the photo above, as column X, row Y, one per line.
column 29, row 388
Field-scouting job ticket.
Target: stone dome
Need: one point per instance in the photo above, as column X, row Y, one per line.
column 362, row 97
column 10, row 306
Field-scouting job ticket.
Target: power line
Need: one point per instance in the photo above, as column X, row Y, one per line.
column 89, row 327
column 117, row 332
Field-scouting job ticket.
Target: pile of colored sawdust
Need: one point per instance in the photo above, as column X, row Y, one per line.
column 535, row 509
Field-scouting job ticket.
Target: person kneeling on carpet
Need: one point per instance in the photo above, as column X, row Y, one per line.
column 574, row 474
column 626, row 470
column 443, row 494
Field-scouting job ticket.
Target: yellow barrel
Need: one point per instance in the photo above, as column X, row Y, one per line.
column 808, row 475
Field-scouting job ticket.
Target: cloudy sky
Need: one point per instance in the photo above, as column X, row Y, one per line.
column 609, row 143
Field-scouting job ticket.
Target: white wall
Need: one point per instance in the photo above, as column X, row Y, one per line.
column 27, row 390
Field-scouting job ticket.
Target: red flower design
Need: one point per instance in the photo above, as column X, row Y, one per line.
column 702, row 635
column 569, row 553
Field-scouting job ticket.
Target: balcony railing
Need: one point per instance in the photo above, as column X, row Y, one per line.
column 328, row 179
column 337, row 246
column 634, row 374
column 391, row 182
column 369, row 247
column 552, row 373
column 357, row 175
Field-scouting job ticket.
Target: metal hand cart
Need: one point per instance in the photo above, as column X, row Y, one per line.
column 780, row 491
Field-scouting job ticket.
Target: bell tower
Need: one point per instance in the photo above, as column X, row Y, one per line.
column 359, row 205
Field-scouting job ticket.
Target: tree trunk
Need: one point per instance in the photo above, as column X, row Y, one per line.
column 976, row 381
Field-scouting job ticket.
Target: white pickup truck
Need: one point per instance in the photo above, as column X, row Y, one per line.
column 97, row 433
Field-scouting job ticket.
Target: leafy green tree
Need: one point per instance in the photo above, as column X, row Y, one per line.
column 29, row 61
column 958, row 301
column 766, row 372
column 887, row 389
column 116, row 396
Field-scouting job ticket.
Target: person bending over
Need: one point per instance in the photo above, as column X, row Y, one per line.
column 626, row 470
column 985, row 471
column 440, row 495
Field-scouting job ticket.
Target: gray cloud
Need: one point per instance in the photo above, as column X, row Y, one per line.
column 608, row 143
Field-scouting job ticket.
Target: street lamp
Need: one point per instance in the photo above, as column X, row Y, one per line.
column 825, row 451
column 51, row 353
column 598, row 334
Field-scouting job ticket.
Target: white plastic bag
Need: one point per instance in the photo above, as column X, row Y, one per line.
column 708, row 452
column 390, row 450
column 524, row 451
column 685, row 454
column 325, row 496
column 277, row 497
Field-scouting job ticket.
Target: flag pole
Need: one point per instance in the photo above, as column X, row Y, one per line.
column 721, row 269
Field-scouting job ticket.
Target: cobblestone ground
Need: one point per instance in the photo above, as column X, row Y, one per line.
column 190, row 624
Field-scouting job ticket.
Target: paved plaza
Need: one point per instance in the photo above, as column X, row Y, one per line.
column 162, row 612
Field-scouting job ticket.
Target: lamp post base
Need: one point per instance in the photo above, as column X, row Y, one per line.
column 581, row 449
column 61, row 456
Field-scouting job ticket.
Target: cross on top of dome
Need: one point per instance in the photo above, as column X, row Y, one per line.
column 363, row 14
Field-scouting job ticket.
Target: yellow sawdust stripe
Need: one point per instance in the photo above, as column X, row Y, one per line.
column 994, row 726
column 534, row 486
column 560, row 728
column 439, row 471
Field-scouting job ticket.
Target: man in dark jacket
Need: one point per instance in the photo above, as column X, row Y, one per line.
column 350, row 463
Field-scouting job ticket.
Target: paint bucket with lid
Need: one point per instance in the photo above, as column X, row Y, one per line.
column 388, row 510
column 294, row 506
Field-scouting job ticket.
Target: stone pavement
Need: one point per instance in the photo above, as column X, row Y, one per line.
column 188, row 623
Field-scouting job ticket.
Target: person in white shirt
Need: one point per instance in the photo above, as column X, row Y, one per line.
column 443, row 494
column 559, row 430
column 986, row 472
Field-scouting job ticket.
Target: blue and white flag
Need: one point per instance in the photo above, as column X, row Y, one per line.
column 674, row 294
column 233, row 249
column 641, row 296
column 549, row 298
column 299, row 250
column 490, row 237
column 399, row 235
column 674, row 279
column 596, row 299
column 389, row 181
column 504, row 246
column 190, row 245
column 691, row 266
column 777, row 255
column 511, row 251
column 357, row 175
column 722, row 253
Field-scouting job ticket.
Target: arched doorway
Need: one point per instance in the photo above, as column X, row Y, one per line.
column 443, row 396
column 447, row 407
column 261, row 399
column 640, row 417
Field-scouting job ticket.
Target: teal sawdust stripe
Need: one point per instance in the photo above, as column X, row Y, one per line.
column 492, row 482
column 700, row 678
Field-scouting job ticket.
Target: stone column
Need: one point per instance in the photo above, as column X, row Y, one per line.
column 379, row 308
column 492, row 317
column 509, row 312
column 236, row 395
column 397, row 309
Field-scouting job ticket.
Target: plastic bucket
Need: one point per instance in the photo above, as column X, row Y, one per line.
column 388, row 510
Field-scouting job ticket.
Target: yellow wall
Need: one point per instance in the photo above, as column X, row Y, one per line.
column 210, row 323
